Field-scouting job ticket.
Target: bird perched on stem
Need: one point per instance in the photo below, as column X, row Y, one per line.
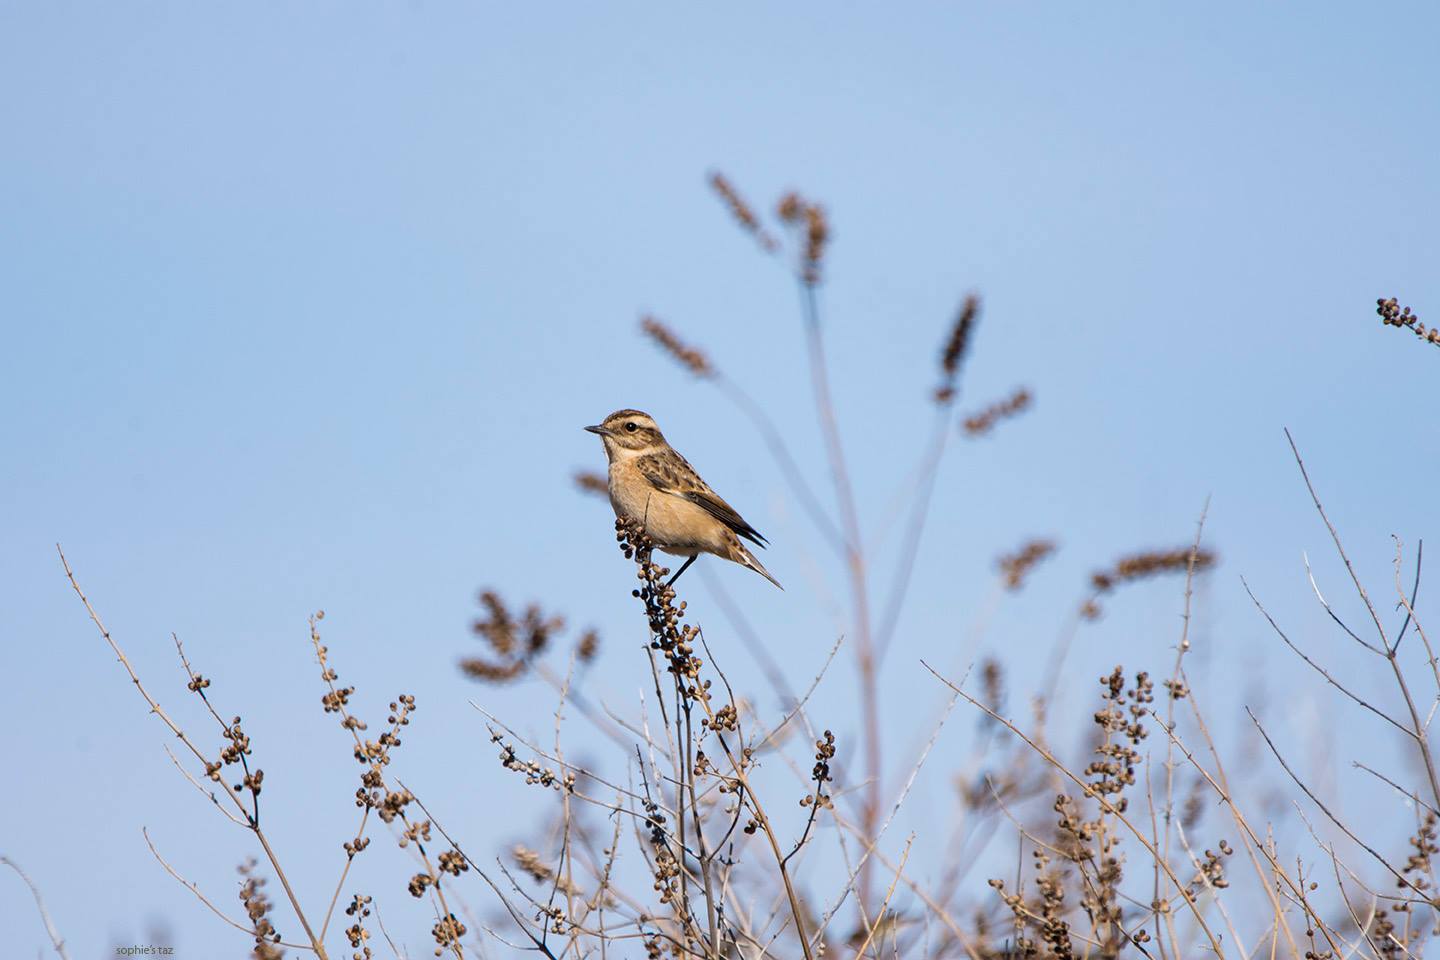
column 653, row 484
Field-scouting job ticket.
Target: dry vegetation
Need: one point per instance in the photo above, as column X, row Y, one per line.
column 700, row 833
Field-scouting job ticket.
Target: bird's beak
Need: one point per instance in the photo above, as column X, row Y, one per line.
column 598, row 429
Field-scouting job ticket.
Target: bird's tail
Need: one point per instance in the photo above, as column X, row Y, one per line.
column 745, row 558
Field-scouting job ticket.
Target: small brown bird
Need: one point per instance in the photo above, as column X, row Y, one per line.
column 653, row 484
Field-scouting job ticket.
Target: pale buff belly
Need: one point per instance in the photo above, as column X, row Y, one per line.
column 676, row 525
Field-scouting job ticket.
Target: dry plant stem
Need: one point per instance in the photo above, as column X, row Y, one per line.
column 865, row 657
column 1414, row 595
column 195, row 889
column 57, row 941
column 1321, row 670
column 1410, row 795
column 1221, row 784
column 872, row 836
column 1363, row 927
column 566, row 853
column 685, row 747
column 1391, row 653
column 885, row 904
column 934, row 907
column 1175, row 678
column 1100, row 800
column 349, row 724
column 399, row 953
column 911, row 548
column 209, row 794
column 781, row 452
column 1403, row 880
column 253, row 823
column 539, row 945
column 733, row 612
column 345, row 872
column 797, row 914
column 1339, row 548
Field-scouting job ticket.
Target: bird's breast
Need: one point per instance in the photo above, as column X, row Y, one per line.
column 676, row 524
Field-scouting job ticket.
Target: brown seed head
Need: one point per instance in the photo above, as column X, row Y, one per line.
column 689, row 357
column 983, row 422
column 1392, row 315
column 1016, row 566
column 742, row 212
column 955, row 348
column 590, row 482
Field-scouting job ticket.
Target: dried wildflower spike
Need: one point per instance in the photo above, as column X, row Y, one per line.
column 257, row 908
column 983, row 422
column 515, row 643
column 588, row 646
column 1016, row 566
column 1137, row 566
column 1392, row 315
column 687, row 356
column 796, row 212
column 956, row 347
column 591, row 482
column 817, row 235
column 742, row 212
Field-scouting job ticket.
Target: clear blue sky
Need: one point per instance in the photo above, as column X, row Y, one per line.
column 304, row 308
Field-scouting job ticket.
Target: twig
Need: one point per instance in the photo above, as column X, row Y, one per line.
column 1089, row 791
column 1354, row 578
column 866, row 660
column 1319, row 669
column 195, row 889
column 884, row 904
column 55, row 939
column 155, row 708
column 873, row 841
column 1403, row 880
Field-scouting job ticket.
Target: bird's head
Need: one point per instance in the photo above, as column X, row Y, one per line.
column 629, row 432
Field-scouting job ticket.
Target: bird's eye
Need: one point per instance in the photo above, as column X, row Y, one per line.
column 631, row 427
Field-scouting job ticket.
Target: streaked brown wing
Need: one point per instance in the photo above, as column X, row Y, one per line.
column 671, row 473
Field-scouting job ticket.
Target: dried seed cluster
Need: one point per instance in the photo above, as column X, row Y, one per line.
column 257, row 909
column 687, row 356
column 1015, row 567
column 447, row 933
column 532, row 771
column 820, row 773
column 674, row 639
column 742, row 212
column 983, row 422
column 1139, row 566
column 796, row 212
column 356, row 933
column 590, row 482
column 1392, row 315
column 956, row 346
column 515, row 642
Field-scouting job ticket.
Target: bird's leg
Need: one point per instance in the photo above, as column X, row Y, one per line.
column 683, row 567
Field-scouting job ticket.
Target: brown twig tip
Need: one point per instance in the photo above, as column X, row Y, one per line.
column 1393, row 315
column 590, row 482
column 956, row 347
column 742, row 211
column 1015, row 567
column 983, row 422
column 795, row 211
column 687, row 356
column 516, row 643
